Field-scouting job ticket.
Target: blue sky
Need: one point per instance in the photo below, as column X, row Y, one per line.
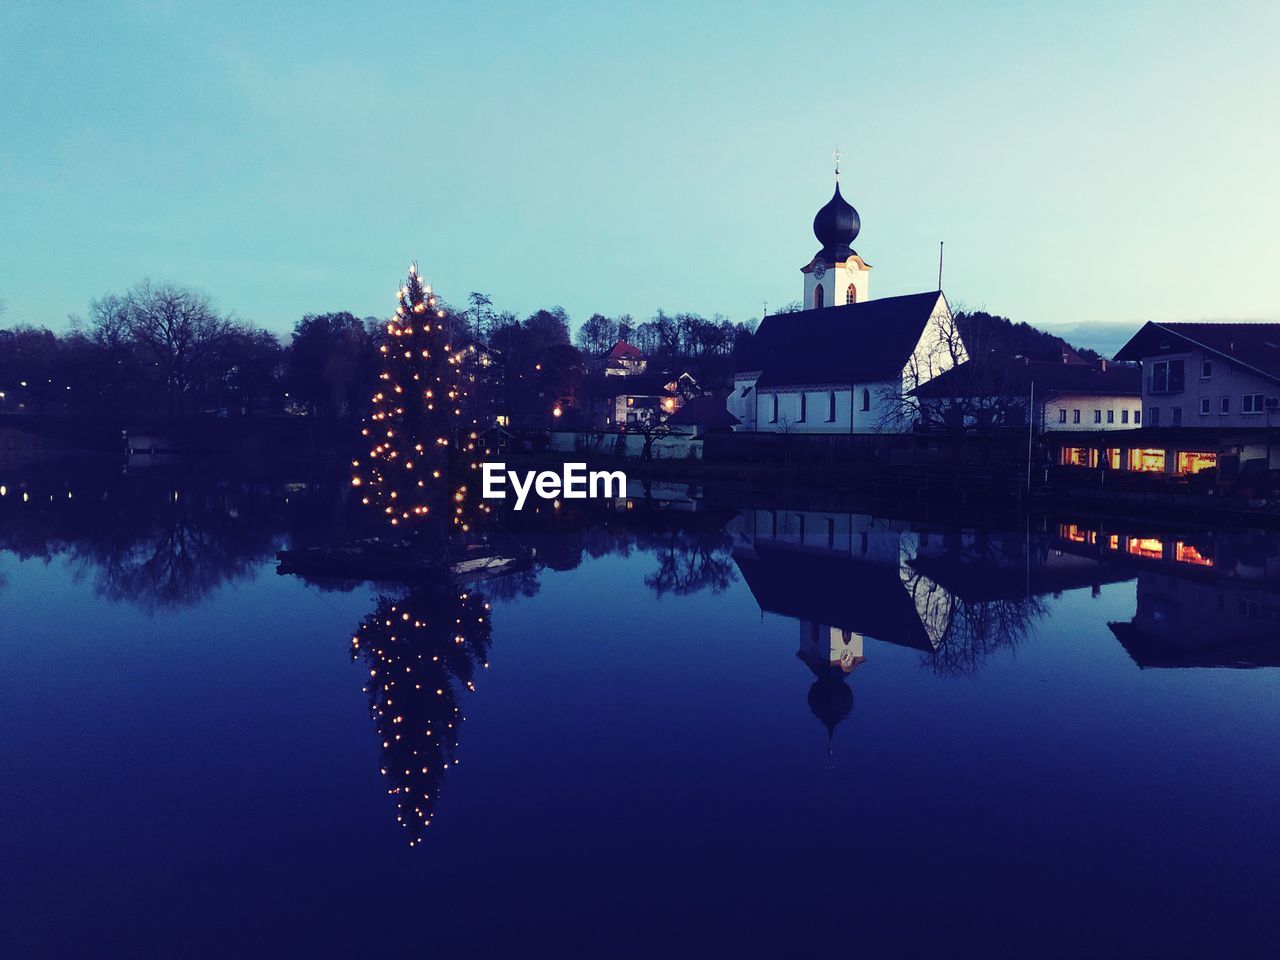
column 1089, row 165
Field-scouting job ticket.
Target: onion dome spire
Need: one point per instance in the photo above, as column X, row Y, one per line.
column 836, row 226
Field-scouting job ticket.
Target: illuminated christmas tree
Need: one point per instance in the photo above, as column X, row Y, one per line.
column 422, row 651
column 424, row 450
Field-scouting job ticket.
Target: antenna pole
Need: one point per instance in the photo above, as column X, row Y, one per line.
column 940, row 265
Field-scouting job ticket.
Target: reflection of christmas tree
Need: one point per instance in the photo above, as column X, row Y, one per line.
column 424, row 448
column 421, row 650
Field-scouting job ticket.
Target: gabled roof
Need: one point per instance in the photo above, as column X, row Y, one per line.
column 1013, row 376
column 703, row 412
column 624, row 351
column 1252, row 346
column 852, row 343
column 833, row 589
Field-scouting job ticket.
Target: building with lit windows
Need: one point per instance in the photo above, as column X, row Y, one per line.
column 1210, row 405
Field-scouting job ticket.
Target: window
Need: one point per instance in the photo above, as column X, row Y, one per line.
column 817, row 296
column 1153, row 416
column 1166, row 377
column 1224, row 404
column 1075, row 416
column 1137, row 416
column 1204, row 406
column 1193, row 461
column 1062, row 415
column 1097, row 416
column 866, row 399
column 773, row 418
column 831, row 407
column 1177, row 416
column 804, row 407
column 1251, row 403
column 1124, row 416
column 1111, row 416
column 1206, row 369
column 851, row 294
column 1146, row 461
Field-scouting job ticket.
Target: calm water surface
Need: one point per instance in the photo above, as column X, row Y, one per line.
column 692, row 729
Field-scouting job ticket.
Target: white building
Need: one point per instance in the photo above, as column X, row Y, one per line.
column 845, row 363
column 1208, row 374
column 1069, row 395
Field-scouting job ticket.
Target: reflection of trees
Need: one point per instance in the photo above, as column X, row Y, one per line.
column 690, row 561
column 158, row 539
column 422, row 649
column 964, row 633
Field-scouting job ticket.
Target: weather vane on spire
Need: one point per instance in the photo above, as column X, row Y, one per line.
column 837, row 154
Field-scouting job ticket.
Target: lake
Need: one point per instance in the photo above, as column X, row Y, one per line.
column 699, row 724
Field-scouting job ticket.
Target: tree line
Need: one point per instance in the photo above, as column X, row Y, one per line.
column 165, row 348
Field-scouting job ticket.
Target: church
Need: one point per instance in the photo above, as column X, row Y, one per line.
column 845, row 363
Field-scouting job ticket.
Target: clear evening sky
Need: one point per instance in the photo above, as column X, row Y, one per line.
column 1086, row 163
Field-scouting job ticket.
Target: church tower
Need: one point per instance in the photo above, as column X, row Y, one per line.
column 836, row 275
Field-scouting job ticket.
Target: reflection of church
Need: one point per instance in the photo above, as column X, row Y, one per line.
column 851, row 581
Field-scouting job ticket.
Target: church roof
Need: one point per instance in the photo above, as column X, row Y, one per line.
column 852, row 343
column 1253, row 346
column 833, row 589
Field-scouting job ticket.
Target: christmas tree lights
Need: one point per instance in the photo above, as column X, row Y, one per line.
column 424, row 447
column 422, row 650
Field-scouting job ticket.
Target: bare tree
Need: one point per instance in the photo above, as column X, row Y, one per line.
column 179, row 329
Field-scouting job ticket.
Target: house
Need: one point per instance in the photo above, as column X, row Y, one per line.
column 845, row 363
column 637, row 400
column 1210, row 405
column 1070, row 395
column 624, row 360
column 700, row 415
column 1208, row 374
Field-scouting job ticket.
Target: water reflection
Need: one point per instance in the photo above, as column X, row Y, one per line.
column 422, row 649
column 1204, row 598
column 844, row 577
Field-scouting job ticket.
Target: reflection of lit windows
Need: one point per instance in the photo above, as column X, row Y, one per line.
column 1146, row 461
column 1113, row 541
column 1148, row 547
column 1192, row 461
column 1186, row 553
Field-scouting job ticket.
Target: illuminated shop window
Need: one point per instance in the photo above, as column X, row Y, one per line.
column 1146, row 461
column 1148, row 547
column 1187, row 553
column 1191, row 461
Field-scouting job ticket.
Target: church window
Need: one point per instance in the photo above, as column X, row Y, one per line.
column 831, row 407
column 804, row 407
column 817, row 296
column 866, row 399
column 851, row 294
column 773, row 417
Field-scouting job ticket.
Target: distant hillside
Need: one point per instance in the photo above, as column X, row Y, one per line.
column 988, row 333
